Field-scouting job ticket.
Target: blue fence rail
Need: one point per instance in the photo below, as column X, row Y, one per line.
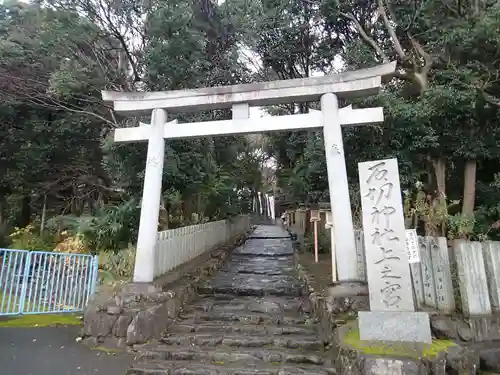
column 37, row 282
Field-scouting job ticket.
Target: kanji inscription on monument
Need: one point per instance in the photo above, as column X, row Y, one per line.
column 385, row 237
column 392, row 315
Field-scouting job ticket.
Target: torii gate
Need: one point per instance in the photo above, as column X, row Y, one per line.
column 327, row 89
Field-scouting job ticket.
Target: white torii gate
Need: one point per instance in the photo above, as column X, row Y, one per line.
column 327, row 89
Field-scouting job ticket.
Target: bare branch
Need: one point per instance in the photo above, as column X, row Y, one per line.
column 368, row 40
column 490, row 99
column 391, row 31
column 427, row 58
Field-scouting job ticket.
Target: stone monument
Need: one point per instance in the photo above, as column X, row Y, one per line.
column 392, row 315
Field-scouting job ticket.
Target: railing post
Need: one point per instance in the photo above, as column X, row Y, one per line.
column 26, row 273
column 95, row 274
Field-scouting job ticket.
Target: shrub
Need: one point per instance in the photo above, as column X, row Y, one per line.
column 109, row 228
column 323, row 242
column 26, row 239
column 72, row 244
column 119, row 264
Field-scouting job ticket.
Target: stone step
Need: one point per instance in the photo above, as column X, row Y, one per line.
column 242, row 340
column 249, row 329
column 264, row 289
column 247, row 368
column 260, row 266
column 269, row 231
column 227, row 355
column 265, row 305
column 242, row 317
column 263, row 253
column 265, row 248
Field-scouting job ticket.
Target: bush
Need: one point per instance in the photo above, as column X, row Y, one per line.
column 26, row 239
column 323, row 242
column 72, row 244
column 110, row 228
column 119, row 264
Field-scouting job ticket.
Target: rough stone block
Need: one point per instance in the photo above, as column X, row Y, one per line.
column 485, row 328
column 121, row 325
column 148, row 324
column 391, row 366
column 98, row 324
column 354, row 357
column 395, row 326
column 490, row 358
column 451, row 328
column 348, row 297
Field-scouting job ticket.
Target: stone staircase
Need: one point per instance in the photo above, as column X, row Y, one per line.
column 248, row 320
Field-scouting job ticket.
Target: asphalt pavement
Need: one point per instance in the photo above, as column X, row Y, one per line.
column 54, row 351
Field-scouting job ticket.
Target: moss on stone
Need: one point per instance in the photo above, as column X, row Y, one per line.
column 41, row 320
column 396, row 349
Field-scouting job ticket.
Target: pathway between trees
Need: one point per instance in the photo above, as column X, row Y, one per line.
column 247, row 320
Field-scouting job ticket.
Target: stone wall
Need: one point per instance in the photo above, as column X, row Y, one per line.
column 350, row 356
column 132, row 313
column 317, row 303
column 332, row 309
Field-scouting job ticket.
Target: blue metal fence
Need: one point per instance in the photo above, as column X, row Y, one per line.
column 37, row 282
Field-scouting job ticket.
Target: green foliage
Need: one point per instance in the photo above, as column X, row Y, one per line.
column 119, row 264
column 28, row 238
column 323, row 242
column 109, row 228
column 56, row 149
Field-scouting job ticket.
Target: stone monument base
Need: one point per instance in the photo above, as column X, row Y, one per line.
column 400, row 326
column 353, row 356
column 348, row 297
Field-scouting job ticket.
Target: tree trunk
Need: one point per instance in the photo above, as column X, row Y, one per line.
column 25, row 211
column 44, row 214
column 3, row 207
column 440, row 173
column 469, row 188
column 439, row 202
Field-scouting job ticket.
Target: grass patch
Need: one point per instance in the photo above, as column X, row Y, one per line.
column 396, row 349
column 40, row 320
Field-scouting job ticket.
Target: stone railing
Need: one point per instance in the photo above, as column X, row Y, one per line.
column 180, row 245
column 452, row 273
